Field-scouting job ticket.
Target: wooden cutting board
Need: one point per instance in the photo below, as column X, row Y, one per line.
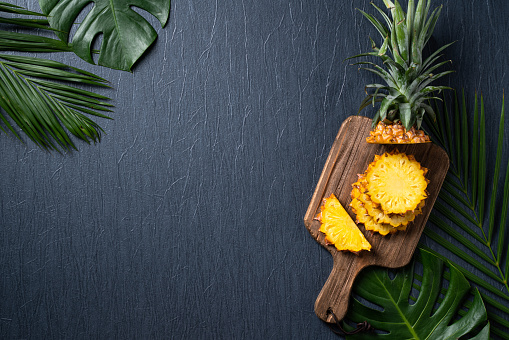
column 350, row 155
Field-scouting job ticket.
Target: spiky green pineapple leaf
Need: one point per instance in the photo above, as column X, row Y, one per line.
column 408, row 78
column 434, row 312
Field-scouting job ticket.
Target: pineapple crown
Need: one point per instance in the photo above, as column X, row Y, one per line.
column 407, row 76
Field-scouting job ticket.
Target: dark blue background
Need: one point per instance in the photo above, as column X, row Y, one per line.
column 186, row 221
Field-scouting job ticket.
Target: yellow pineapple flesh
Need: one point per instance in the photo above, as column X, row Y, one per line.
column 374, row 210
column 397, row 182
column 369, row 222
column 390, row 193
column 339, row 228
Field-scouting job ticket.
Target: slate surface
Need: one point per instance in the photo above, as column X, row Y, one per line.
column 185, row 222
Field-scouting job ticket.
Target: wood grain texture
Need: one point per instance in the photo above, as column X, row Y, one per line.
column 350, row 155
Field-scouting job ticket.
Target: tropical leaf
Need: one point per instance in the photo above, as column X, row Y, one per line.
column 39, row 95
column 21, row 42
column 13, row 41
column 40, row 107
column 469, row 219
column 415, row 306
column 11, row 8
column 126, row 34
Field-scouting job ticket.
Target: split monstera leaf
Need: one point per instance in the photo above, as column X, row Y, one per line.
column 418, row 305
column 126, row 34
column 42, row 97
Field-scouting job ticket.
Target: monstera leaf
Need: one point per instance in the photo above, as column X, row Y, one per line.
column 435, row 313
column 126, row 34
column 43, row 97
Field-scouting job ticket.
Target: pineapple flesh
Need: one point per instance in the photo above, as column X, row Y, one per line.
column 390, row 193
column 377, row 213
column 370, row 223
column 339, row 228
column 397, row 182
column 405, row 96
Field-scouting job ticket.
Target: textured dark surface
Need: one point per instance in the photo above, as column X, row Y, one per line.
column 186, row 221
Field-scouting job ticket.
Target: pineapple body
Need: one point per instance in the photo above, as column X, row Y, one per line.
column 396, row 133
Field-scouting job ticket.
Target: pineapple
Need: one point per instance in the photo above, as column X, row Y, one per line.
column 370, row 223
column 403, row 99
column 375, row 211
column 339, row 228
column 390, row 194
column 397, row 182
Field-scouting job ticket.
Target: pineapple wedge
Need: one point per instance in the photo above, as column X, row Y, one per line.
column 339, row 228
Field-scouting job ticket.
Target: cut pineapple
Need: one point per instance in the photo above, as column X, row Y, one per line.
column 374, row 210
column 390, row 194
column 396, row 133
column 396, row 182
column 368, row 221
column 339, row 228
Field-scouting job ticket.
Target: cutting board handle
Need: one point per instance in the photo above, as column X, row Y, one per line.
column 335, row 294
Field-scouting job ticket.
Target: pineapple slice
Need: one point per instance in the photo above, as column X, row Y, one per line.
column 397, row 182
column 339, row 228
column 374, row 210
column 368, row 221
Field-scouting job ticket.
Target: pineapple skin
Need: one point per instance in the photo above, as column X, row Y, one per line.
column 395, row 133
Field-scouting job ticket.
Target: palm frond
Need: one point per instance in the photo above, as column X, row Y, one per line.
column 41, row 108
column 10, row 8
column 23, row 42
column 469, row 219
column 39, row 95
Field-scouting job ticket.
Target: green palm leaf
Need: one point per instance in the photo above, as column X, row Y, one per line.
column 470, row 202
column 39, row 95
column 126, row 34
column 10, row 8
column 13, row 41
column 429, row 312
column 41, row 108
